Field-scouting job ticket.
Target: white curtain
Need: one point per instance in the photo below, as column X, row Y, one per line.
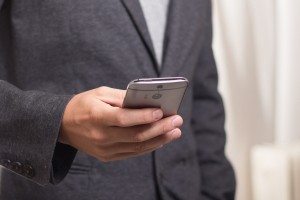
column 257, row 45
column 257, row 48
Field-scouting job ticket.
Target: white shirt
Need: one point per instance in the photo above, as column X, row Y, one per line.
column 156, row 12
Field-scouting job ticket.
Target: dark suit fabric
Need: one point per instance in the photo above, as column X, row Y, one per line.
column 52, row 49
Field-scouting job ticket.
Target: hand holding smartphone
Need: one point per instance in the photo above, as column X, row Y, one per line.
column 165, row 93
column 94, row 123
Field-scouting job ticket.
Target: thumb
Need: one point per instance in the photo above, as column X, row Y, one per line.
column 112, row 96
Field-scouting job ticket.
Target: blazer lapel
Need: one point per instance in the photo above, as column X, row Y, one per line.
column 182, row 30
column 183, row 24
column 135, row 12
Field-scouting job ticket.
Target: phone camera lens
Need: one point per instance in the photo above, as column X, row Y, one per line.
column 156, row 96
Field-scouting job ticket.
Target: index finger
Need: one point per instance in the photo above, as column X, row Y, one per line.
column 124, row 117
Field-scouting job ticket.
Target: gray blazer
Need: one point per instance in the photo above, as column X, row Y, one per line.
column 51, row 49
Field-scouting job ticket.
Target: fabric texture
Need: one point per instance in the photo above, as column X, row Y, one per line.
column 60, row 48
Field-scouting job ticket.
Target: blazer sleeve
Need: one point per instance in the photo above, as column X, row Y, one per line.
column 29, row 128
column 217, row 176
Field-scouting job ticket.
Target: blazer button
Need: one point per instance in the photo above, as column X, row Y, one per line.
column 8, row 163
column 17, row 167
column 5, row 163
column 28, row 171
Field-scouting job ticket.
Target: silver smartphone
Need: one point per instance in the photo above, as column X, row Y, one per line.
column 165, row 93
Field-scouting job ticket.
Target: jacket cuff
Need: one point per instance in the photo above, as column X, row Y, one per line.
column 61, row 162
column 30, row 125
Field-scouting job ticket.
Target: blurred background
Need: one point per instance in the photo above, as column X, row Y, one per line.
column 257, row 48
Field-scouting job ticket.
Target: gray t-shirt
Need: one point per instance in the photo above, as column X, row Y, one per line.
column 155, row 12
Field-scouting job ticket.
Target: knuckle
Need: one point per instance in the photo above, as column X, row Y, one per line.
column 102, row 155
column 163, row 128
column 100, row 90
column 138, row 137
column 146, row 117
column 103, row 89
column 140, row 147
column 105, row 159
column 99, row 139
column 121, row 119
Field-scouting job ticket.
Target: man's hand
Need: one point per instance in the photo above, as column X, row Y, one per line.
column 95, row 123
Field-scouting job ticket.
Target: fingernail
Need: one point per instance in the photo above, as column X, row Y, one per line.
column 176, row 133
column 177, row 121
column 157, row 114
